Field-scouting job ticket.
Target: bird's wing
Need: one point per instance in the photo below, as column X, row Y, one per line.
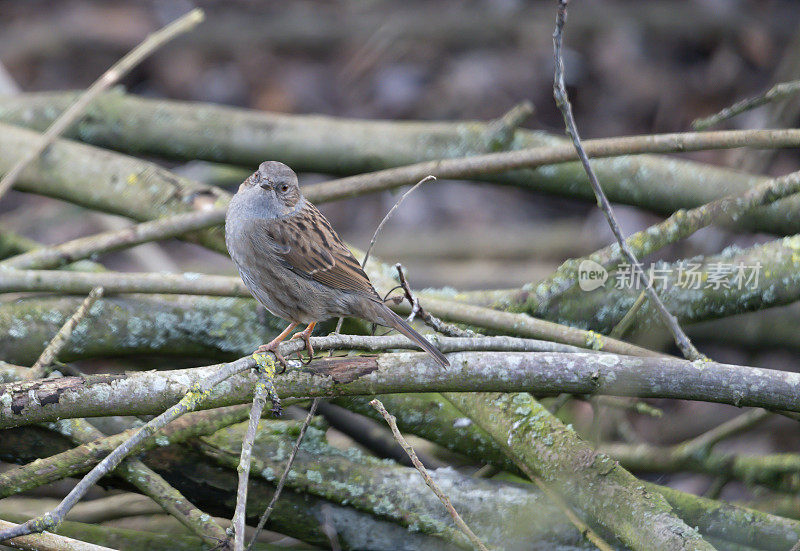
column 307, row 244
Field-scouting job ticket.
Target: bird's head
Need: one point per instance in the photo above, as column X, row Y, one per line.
column 270, row 192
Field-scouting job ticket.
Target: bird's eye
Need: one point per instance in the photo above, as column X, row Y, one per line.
column 284, row 188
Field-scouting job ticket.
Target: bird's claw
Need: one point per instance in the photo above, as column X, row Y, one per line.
column 305, row 335
column 273, row 349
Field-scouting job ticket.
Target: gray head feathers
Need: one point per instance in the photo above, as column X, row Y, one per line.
column 271, row 192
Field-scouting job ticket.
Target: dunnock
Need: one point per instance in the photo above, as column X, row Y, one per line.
column 294, row 264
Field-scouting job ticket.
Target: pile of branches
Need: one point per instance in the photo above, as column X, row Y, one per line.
column 517, row 355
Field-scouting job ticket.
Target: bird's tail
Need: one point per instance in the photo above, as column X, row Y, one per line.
column 396, row 322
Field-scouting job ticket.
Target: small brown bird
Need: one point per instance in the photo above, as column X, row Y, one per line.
column 294, row 264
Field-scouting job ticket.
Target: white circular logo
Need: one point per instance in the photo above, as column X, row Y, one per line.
column 591, row 275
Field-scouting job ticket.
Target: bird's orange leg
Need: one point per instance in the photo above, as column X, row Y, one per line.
column 305, row 334
column 272, row 346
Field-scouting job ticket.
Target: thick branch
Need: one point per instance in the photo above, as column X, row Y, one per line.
column 191, row 283
column 214, row 489
column 84, row 247
column 107, row 181
column 354, row 146
column 678, row 226
column 543, row 447
column 82, row 458
column 544, row 373
column 49, row 542
column 191, row 400
column 778, row 471
column 125, row 538
column 172, row 325
column 730, row 523
column 150, row 44
column 774, row 267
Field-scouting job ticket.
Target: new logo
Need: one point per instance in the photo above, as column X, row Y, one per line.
column 591, row 275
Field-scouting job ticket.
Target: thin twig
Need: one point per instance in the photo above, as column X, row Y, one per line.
column 627, row 320
column 264, row 517
column 737, row 425
column 430, row 320
column 150, row 483
column 80, row 459
column 389, row 215
column 116, row 72
column 625, row 404
column 562, row 101
column 475, row 166
column 500, row 131
column 340, row 321
column 778, row 92
column 367, row 433
column 471, row 342
column 428, row 480
column 64, row 282
column 45, row 258
column 49, row 354
column 191, row 401
column 262, row 390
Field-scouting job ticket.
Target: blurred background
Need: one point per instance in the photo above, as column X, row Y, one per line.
column 633, row 68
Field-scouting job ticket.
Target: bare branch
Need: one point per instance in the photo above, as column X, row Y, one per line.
column 568, row 469
column 50, row 353
column 543, row 373
column 191, row 283
column 82, row 458
column 673, row 184
column 562, row 101
column 282, row 481
column 778, row 92
column 266, row 373
column 429, row 319
column 117, row 71
column 679, row 225
column 428, row 480
column 389, row 215
column 48, row 541
column 738, row 424
column 56, row 256
column 191, row 400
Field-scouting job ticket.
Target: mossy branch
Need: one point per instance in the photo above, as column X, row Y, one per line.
column 543, row 448
column 679, row 225
column 83, row 457
column 178, row 129
column 544, row 373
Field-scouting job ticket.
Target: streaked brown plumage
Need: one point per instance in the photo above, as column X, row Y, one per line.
column 294, row 263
